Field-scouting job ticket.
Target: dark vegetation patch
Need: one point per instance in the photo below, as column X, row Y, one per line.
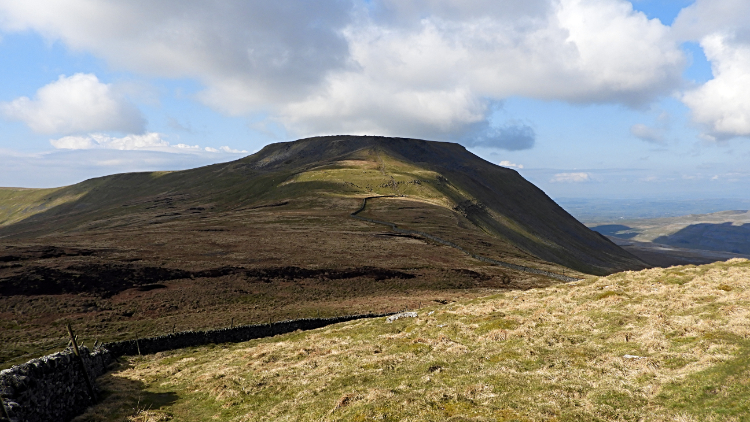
column 410, row 236
column 13, row 254
column 107, row 280
column 275, row 204
column 104, row 280
column 294, row 273
column 149, row 287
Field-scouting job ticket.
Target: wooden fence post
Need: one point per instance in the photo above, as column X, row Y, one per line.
column 82, row 365
column 5, row 410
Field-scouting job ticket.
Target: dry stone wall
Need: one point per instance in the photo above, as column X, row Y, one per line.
column 53, row 388
column 225, row 335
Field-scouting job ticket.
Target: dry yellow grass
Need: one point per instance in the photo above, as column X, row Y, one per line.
column 658, row 345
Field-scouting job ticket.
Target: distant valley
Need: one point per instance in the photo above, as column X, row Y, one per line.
column 694, row 238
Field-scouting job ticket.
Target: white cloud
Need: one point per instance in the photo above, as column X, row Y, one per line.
column 225, row 149
column 75, row 104
column 723, row 103
column 571, row 178
column 148, row 141
column 248, row 54
column 151, row 141
column 506, row 163
column 707, row 17
column 434, row 77
column 231, row 150
column 423, row 68
column 188, row 147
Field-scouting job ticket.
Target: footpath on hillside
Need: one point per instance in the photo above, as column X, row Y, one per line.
column 396, row 229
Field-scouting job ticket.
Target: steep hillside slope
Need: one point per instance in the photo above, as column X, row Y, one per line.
column 305, row 172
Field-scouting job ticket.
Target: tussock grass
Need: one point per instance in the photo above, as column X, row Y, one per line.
column 652, row 349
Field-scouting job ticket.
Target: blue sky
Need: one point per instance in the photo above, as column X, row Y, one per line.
column 585, row 98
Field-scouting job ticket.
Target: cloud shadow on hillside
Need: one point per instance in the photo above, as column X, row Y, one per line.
column 713, row 237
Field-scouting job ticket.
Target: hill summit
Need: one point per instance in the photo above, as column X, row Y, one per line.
column 309, row 173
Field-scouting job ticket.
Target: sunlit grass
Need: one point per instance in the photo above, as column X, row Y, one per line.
column 650, row 350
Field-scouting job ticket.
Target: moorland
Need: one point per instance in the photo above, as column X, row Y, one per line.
column 270, row 237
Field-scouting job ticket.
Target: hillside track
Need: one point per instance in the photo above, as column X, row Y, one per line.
column 396, row 229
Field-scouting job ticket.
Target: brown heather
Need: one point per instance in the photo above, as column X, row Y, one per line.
column 658, row 345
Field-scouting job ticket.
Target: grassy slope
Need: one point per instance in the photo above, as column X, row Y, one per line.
column 17, row 204
column 494, row 198
column 253, row 238
column 659, row 344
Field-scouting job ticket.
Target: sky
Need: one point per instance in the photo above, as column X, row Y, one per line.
column 585, row 98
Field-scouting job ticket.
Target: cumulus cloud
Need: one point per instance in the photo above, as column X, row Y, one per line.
column 708, row 17
column 428, row 68
column 151, row 141
column 246, row 53
column 75, row 104
column 571, row 178
column 436, row 76
column 723, row 103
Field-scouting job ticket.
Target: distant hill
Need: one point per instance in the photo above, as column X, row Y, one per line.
column 725, row 231
column 496, row 199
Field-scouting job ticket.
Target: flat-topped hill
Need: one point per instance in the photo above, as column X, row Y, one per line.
column 302, row 174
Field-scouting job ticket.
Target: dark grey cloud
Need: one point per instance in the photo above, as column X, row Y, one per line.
column 511, row 137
